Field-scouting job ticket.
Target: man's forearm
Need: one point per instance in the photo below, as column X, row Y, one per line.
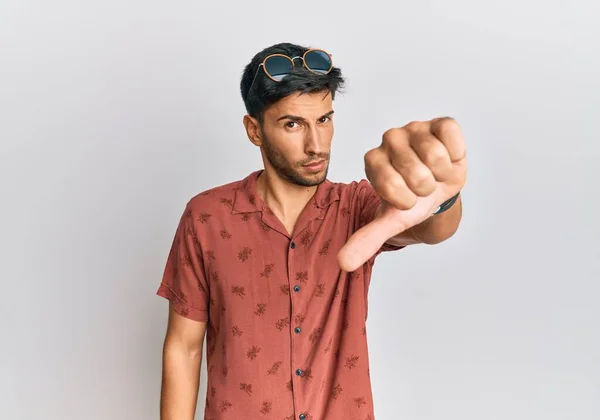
column 180, row 382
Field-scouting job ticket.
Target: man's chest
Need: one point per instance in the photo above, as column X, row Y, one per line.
column 253, row 265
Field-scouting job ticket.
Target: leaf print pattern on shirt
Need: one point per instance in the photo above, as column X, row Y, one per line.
column 244, row 254
column 275, row 369
column 204, row 217
column 320, row 290
column 214, row 276
column 315, row 335
column 299, row 319
column 236, row 331
column 290, row 386
column 285, row 289
column 253, row 352
column 225, row 405
column 306, row 238
column 247, row 388
column 302, row 277
column 246, row 217
column 325, row 248
column 345, row 212
column 266, row 273
column 227, row 201
column 183, row 298
column 351, row 362
column 282, row 323
column 328, row 348
column 238, row 290
column 360, row 401
column 307, row 374
column 185, row 260
column 354, row 275
column 261, row 308
column 225, row 234
column 336, row 391
column 266, row 408
column 191, row 232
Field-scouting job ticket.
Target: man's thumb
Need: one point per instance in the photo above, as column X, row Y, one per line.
column 366, row 241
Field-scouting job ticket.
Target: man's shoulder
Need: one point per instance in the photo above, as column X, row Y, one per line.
column 218, row 196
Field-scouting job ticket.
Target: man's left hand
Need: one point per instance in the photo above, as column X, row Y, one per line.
column 415, row 169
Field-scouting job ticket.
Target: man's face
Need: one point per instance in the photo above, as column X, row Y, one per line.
column 296, row 137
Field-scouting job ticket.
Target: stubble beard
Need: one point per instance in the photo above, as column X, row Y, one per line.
column 288, row 171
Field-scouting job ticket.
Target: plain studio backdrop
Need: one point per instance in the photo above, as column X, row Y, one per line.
column 113, row 114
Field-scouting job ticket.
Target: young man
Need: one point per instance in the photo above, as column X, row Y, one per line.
column 275, row 268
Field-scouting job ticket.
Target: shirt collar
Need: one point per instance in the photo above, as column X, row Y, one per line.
column 247, row 200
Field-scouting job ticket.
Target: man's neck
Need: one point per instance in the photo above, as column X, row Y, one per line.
column 287, row 200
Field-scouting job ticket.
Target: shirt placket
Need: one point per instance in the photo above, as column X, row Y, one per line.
column 295, row 254
column 296, row 333
column 296, row 258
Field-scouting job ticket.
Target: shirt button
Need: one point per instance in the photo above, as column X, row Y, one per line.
column 297, row 330
column 299, row 372
column 296, row 288
column 302, row 417
column 293, row 245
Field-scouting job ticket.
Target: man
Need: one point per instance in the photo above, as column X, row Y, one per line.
column 275, row 268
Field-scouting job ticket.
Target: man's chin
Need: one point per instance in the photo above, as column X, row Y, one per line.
column 310, row 180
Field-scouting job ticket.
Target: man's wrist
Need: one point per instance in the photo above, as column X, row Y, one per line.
column 446, row 204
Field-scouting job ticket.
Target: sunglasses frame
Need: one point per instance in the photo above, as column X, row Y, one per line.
column 292, row 60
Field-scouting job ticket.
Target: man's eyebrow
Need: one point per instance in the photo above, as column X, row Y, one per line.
column 297, row 118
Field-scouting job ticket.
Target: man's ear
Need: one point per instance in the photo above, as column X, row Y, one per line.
column 252, row 130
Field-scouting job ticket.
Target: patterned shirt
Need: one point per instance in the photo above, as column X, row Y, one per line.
column 286, row 327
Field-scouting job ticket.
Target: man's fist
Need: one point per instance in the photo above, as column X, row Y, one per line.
column 415, row 169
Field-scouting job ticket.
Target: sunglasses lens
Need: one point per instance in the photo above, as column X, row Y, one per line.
column 318, row 62
column 278, row 67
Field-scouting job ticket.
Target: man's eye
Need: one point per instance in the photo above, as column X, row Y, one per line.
column 324, row 120
column 290, row 124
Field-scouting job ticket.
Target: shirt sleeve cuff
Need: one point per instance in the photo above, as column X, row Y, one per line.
column 181, row 307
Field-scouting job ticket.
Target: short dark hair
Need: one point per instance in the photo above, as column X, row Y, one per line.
column 265, row 92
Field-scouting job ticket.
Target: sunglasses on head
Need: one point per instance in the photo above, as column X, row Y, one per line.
column 277, row 66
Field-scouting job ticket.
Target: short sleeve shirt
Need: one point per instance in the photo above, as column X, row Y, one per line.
column 286, row 331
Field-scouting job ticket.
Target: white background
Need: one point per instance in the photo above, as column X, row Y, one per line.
column 113, row 114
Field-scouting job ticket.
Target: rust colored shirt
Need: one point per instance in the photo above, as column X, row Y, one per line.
column 286, row 334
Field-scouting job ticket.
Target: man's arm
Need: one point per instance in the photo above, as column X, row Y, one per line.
column 182, row 359
column 434, row 230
